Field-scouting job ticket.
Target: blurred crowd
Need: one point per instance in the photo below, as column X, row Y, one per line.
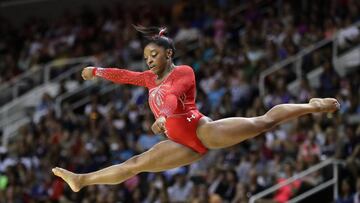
column 235, row 45
column 264, row 29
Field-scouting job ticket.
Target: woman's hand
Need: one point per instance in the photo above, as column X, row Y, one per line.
column 87, row 73
column 159, row 125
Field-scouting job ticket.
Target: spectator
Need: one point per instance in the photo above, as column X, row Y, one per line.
column 309, row 148
column 181, row 190
column 357, row 194
column 146, row 141
column 286, row 192
column 329, row 80
column 345, row 193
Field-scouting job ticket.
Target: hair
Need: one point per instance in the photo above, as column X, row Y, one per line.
column 156, row 35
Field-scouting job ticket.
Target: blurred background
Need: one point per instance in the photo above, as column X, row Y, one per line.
column 247, row 55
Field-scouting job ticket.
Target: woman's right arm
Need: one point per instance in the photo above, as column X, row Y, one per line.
column 116, row 75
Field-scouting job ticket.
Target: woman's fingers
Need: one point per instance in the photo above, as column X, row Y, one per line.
column 87, row 73
column 158, row 128
column 83, row 75
column 155, row 128
column 162, row 126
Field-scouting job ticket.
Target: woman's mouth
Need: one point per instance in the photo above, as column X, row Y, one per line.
column 153, row 67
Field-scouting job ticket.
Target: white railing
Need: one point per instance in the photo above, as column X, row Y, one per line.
column 14, row 110
column 39, row 75
column 13, row 128
column 297, row 60
column 60, row 100
column 332, row 182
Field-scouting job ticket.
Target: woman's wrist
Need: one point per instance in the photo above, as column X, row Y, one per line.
column 94, row 71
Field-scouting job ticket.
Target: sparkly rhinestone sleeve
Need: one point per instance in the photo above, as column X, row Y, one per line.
column 183, row 80
column 121, row 76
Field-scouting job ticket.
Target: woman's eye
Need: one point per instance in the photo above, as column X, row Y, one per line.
column 153, row 54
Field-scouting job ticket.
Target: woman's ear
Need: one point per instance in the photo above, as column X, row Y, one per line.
column 169, row 53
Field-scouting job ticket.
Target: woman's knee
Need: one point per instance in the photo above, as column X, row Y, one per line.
column 265, row 122
column 135, row 164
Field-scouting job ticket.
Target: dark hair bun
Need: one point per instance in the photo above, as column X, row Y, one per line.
column 156, row 35
column 151, row 32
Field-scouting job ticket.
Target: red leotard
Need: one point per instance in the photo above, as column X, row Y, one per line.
column 173, row 98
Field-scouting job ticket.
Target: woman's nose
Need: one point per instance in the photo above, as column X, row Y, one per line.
column 149, row 62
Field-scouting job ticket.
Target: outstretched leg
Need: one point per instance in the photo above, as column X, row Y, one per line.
column 230, row 131
column 163, row 156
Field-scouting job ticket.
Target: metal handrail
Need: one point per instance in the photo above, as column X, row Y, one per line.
column 85, row 100
column 298, row 58
column 290, row 60
column 37, row 67
column 59, row 100
column 6, row 111
column 333, row 181
column 313, row 191
column 46, row 73
column 38, row 71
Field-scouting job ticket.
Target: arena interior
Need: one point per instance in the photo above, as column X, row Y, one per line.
column 248, row 56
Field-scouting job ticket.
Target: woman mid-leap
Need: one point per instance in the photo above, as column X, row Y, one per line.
column 190, row 134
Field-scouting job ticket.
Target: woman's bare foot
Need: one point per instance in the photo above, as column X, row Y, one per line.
column 325, row 105
column 72, row 179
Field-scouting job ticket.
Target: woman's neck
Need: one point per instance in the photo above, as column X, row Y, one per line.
column 166, row 71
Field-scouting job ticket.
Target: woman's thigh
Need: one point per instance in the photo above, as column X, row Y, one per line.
column 229, row 131
column 166, row 155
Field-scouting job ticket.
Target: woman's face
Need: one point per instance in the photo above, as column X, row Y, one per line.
column 156, row 57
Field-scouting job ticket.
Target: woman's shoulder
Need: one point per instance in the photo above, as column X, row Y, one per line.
column 184, row 69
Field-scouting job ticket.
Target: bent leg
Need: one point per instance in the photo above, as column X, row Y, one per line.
column 230, row 131
column 162, row 156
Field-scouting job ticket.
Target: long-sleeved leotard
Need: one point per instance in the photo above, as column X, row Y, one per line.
column 173, row 98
